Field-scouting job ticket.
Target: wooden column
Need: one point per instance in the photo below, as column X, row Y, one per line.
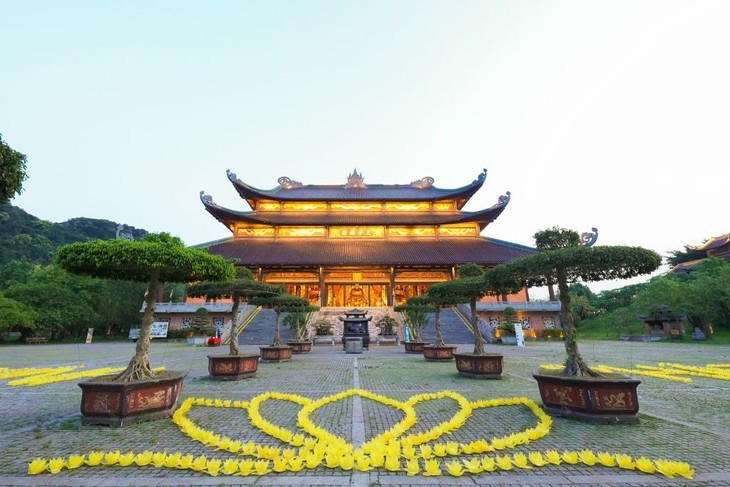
column 391, row 293
column 322, row 297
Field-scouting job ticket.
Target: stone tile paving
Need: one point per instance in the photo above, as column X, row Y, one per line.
column 688, row 422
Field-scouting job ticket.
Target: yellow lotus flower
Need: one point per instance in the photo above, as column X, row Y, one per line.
column 392, row 464
column 172, row 460
column 455, row 468
column 683, row 469
column 587, row 457
column 488, row 464
column 499, row 444
column 142, row 459
column 553, row 457
column 186, row 461
column 665, row 468
column 248, row 448
column 377, row 460
column 55, row 465
column 281, row 464
column 224, row 443
column 297, row 440
column 75, row 461
column 362, row 463
column 158, row 458
column 426, row 452
column 452, row 448
column 230, row 466
column 504, row 462
column 213, row 467
column 412, row 467
column 431, row 468
column 409, row 452
column 537, row 459
column 570, row 457
column 625, row 461
column 94, row 458
column 234, row 446
column 520, row 461
column 473, row 466
column 606, row 459
column 332, row 460
column 261, row 467
column 111, row 458
column 439, row 449
column 347, row 461
column 312, row 460
column 199, row 463
column 37, row 466
column 245, row 467
column 645, row 465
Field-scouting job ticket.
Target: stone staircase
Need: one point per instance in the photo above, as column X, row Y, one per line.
column 260, row 331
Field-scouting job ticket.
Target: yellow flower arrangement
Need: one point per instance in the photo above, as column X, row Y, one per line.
column 394, row 450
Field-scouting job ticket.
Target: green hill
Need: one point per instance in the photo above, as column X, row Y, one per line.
column 26, row 237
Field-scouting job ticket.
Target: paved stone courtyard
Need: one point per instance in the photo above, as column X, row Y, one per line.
column 682, row 422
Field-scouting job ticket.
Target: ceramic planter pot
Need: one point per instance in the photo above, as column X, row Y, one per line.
column 415, row 347
column 276, row 354
column 111, row 403
column 232, row 367
column 300, row 347
column 439, row 354
column 488, row 366
column 599, row 400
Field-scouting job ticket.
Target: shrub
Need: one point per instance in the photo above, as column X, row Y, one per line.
column 322, row 327
column 387, row 325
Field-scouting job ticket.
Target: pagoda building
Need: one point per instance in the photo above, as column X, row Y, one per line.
column 358, row 244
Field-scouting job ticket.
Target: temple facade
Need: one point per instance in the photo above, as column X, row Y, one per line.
column 359, row 244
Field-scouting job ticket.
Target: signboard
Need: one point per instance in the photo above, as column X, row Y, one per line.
column 158, row 330
column 518, row 334
column 89, row 335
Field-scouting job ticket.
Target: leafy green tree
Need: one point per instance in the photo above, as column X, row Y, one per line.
column 677, row 257
column 158, row 258
column 612, row 299
column 12, row 171
column 468, row 288
column 416, row 310
column 282, row 303
column 16, row 316
column 64, row 304
column 238, row 289
column 201, row 323
column 562, row 259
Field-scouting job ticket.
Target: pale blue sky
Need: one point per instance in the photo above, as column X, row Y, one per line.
column 611, row 114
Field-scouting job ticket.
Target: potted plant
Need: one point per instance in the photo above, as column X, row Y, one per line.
column 438, row 351
column 416, row 317
column 235, row 365
column 200, row 328
column 507, row 332
column 388, row 326
column 297, row 323
column 467, row 289
column 323, row 332
column 137, row 392
column 280, row 303
column 577, row 391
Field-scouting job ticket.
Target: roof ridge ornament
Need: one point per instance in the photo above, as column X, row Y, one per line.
column 589, row 238
column 481, row 176
column 206, row 198
column 423, row 183
column 232, row 175
column 355, row 180
column 287, row 183
column 504, row 199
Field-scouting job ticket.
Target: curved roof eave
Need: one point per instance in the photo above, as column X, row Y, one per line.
column 375, row 192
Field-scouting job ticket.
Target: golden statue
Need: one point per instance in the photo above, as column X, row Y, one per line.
column 357, row 296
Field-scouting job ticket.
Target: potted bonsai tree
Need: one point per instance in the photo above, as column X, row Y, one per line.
column 416, row 311
column 137, row 392
column 438, row 351
column 507, row 330
column 235, row 365
column 388, row 326
column 468, row 288
column 200, row 328
column 280, row 303
column 576, row 390
column 297, row 323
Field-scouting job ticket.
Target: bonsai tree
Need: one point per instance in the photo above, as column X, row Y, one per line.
column 201, row 323
column 297, row 323
column 387, row 325
column 155, row 259
column 468, row 288
column 241, row 288
column 322, row 327
column 416, row 310
column 283, row 303
column 561, row 259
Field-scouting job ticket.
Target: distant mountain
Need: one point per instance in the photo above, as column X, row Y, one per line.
column 24, row 236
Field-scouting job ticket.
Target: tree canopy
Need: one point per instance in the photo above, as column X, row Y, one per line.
column 155, row 259
column 561, row 260
column 12, row 171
